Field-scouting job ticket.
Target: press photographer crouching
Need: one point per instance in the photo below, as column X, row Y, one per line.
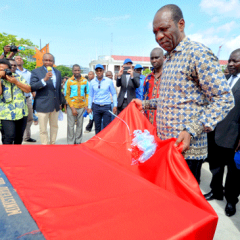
column 13, row 107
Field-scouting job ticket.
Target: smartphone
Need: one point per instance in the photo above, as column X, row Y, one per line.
column 125, row 69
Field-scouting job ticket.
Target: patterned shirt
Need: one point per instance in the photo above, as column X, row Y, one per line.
column 150, row 91
column 194, row 95
column 77, row 92
column 12, row 100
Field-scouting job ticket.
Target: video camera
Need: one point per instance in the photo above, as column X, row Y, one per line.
column 14, row 48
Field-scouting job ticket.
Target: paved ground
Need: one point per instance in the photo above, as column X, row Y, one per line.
column 228, row 228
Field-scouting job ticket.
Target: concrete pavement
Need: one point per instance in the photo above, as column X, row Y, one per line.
column 228, row 227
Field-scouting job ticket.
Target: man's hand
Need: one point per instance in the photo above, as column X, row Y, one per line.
column 48, row 76
column 114, row 110
column 86, row 108
column 11, row 79
column 89, row 110
column 238, row 146
column 120, row 73
column 184, row 137
column 2, row 74
column 6, row 49
column 138, row 103
column 74, row 111
column 130, row 71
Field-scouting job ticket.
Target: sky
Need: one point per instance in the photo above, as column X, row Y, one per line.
column 80, row 31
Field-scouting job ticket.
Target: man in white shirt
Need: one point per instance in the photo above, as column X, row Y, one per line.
column 26, row 75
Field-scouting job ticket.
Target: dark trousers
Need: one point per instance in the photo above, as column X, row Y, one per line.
column 218, row 157
column 195, row 167
column 13, row 130
column 90, row 125
column 101, row 113
column 123, row 106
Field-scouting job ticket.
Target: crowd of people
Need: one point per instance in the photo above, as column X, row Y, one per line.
column 186, row 96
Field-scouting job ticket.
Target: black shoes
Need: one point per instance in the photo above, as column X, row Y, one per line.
column 230, row 209
column 210, row 196
column 30, row 140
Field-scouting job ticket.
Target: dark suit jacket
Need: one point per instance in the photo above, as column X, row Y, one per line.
column 227, row 132
column 47, row 97
column 130, row 88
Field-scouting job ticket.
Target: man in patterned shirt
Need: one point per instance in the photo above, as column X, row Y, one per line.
column 194, row 94
column 77, row 99
column 152, row 82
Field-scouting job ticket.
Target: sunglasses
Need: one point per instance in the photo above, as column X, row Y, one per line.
column 13, row 65
column 99, row 85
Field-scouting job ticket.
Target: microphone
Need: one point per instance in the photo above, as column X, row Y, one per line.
column 49, row 69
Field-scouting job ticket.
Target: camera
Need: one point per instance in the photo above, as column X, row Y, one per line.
column 13, row 48
column 125, row 69
column 8, row 72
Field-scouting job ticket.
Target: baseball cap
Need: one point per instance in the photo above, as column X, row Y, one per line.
column 138, row 66
column 127, row 60
column 99, row 66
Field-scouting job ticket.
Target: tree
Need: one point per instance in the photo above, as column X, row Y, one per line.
column 65, row 71
column 29, row 65
column 146, row 72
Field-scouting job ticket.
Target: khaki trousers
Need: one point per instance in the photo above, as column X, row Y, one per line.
column 74, row 136
column 27, row 133
column 53, row 123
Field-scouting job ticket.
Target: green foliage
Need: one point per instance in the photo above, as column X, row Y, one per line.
column 8, row 39
column 29, row 65
column 65, row 71
column 146, row 72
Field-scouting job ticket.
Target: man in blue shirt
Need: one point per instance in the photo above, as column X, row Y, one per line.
column 139, row 91
column 100, row 89
column 26, row 75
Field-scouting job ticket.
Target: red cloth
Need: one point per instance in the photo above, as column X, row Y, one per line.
column 74, row 192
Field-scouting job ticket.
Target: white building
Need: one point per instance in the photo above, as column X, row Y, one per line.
column 114, row 62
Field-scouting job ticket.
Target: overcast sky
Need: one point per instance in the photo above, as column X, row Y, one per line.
column 78, row 31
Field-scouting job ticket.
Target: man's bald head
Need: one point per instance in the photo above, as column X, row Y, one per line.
column 234, row 62
column 48, row 60
column 157, row 58
column 175, row 10
column 91, row 75
column 109, row 74
column 157, row 51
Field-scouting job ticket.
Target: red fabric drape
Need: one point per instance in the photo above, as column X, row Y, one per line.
column 92, row 192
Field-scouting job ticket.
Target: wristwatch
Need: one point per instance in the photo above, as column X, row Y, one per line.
column 185, row 129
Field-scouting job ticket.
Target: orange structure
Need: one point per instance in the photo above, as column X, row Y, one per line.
column 39, row 55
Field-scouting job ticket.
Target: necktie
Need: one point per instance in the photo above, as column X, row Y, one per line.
column 232, row 80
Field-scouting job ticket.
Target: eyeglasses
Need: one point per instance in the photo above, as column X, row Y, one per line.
column 13, row 65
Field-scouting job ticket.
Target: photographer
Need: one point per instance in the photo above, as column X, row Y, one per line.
column 9, row 49
column 13, row 108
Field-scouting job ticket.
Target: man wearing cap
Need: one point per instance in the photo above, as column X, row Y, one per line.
column 100, row 89
column 139, row 91
column 128, row 82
